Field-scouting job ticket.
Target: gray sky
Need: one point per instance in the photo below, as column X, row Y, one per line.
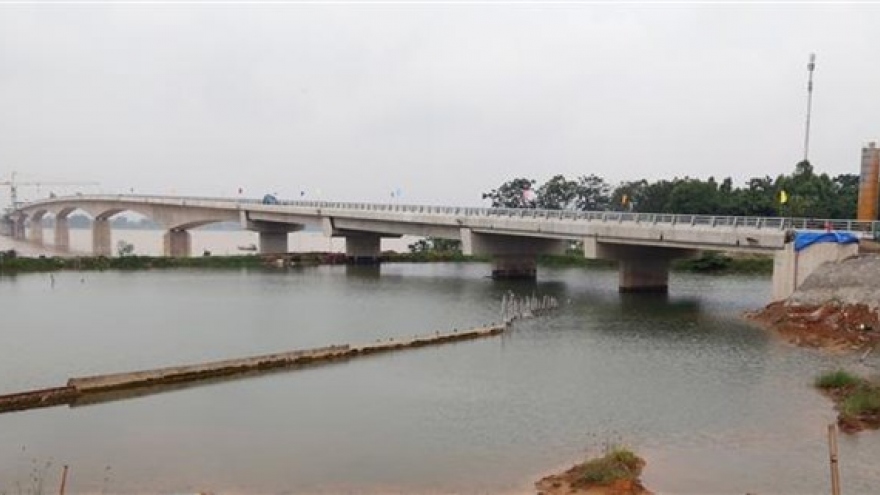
column 443, row 101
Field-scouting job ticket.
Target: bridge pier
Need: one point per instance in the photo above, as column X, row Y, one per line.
column 514, row 267
column 640, row 268
column 62, row 233
column 272, row 235
column 273, row 242
column 513, row 257
column 177, row 243
column 35, row 231
column 363, row 249
column 19, row 230
column 643, row 275
column 102, row 237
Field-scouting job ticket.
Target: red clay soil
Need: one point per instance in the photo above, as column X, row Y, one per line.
column 832, row 326
column 567, row 484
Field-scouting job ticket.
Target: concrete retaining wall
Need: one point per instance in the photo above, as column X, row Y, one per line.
column 80, row 387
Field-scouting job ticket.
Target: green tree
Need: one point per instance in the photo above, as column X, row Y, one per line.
column 593, row 193
column 435, row 245
column 694, row 197
column 558, row 193
column 510, row 194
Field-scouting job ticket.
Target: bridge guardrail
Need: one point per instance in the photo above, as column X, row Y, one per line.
column 777, row 223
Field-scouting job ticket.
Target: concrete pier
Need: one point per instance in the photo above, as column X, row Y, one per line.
column 643, row 275
column 177, row 243
column 514, row 267
column 62, row 233
column 513, row 257
column 273, row 242
column 19, row 230
column 35, row 231
column 640, row 268
column 102, row 239
column 363, row 249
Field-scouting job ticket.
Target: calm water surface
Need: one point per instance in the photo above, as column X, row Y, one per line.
column 716, row 406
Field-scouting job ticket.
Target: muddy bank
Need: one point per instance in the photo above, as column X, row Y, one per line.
column 833, row 326
column 835, row 308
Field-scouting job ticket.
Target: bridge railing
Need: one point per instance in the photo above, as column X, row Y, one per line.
column 711, row 221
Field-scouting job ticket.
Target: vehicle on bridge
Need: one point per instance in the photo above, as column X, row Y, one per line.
column 270, row 199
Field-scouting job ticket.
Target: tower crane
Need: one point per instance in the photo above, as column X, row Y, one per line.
column 14, row 185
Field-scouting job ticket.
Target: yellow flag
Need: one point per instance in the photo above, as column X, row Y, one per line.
column 783, row 197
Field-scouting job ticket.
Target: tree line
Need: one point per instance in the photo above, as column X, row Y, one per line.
column 803, row 193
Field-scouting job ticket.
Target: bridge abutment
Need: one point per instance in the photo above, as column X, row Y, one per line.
column 62, row 233
column 791, row 268
column 177, row 243
column 102, row 237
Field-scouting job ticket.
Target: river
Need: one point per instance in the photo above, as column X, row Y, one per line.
column 714, row 404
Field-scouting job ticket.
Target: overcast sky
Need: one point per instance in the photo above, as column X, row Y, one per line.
column 441, row 101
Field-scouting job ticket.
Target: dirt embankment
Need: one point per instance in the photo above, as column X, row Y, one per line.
column 836, row 308
column 616, row 473
column 835, row 326
column 561, row 484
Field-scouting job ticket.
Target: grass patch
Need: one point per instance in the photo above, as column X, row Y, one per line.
column 864, row 400
column 618, row 464
column 857, row 399
column 836, row 379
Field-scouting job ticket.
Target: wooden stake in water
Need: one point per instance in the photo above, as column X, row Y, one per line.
column 63, row 480
column 832, row 452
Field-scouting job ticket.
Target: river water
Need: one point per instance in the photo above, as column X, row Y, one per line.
column 713, row 404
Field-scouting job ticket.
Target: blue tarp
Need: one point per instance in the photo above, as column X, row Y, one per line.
column 803, row 240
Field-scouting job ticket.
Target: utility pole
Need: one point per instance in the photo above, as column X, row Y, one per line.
column 811, row 66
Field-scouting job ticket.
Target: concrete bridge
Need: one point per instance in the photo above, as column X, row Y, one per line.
column 643, row 244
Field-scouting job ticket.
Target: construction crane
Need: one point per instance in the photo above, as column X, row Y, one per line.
column 14, row 185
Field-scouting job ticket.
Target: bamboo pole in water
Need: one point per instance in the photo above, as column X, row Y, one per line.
column 63, row 480
column 832, row 453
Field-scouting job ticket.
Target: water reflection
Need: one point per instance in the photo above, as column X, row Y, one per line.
column 677, row 377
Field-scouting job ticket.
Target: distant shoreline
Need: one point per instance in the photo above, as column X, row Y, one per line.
column 26, row 264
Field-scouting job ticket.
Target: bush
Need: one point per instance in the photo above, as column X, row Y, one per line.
column 618, row 464
column 864, row 400
column 836, row 379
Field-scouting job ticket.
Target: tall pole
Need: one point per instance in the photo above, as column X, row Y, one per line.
column 810, row 68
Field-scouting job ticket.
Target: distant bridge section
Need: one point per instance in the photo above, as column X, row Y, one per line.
column 642, row 243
